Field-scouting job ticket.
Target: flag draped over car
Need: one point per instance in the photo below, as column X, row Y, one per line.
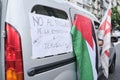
column 104, row 34
column 84, row 47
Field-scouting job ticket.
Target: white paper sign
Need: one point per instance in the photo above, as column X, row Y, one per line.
column 50, row 35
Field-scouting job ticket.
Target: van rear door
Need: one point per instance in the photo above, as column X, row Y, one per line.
column 38, row 44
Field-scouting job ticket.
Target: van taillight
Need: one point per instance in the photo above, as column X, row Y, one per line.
column 13, row 54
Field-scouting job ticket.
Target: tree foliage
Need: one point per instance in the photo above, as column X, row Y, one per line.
column 115, row 17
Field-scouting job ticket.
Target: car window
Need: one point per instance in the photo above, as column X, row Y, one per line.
column 44, row 10
column 96, row 25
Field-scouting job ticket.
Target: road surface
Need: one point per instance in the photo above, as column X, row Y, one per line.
column 116, row 74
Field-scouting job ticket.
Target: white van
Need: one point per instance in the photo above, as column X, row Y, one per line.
column 35, row 40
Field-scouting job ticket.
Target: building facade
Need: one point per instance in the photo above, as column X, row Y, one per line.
column 97, row 7
column 118, row 4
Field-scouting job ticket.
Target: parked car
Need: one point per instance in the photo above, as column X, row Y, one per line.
column 35, row 40
column 116, row 33
column 112, row 50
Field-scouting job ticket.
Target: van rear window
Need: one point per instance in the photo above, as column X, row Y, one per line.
column 44, row 10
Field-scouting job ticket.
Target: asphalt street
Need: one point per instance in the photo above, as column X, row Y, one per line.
column 116, row 74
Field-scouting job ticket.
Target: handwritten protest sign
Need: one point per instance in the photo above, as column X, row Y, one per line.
column 50, row 35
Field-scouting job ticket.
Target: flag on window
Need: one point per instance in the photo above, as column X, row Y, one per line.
column 105, row 34
column 84, row 47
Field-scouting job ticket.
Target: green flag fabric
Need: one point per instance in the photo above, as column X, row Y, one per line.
column 84, row 47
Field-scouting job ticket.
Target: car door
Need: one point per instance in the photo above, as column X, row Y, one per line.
column 41, row 30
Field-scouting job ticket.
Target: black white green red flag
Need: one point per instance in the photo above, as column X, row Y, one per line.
column 84, row 47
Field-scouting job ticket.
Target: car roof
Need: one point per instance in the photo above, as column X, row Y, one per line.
column 84, row 12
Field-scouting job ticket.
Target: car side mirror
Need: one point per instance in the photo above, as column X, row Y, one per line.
column 114, row 39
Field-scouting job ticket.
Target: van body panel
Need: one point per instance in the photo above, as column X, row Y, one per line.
column 18, row 16
column 3, row 7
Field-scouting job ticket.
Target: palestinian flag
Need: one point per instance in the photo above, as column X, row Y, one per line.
column 84, row 47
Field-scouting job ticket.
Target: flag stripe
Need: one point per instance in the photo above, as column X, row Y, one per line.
column 102, row 27
column 107, row 53
column 107, row 31
column 83, row 58
column 109, row 12
column 109, row 24
column 86, row 30
column 93, row 60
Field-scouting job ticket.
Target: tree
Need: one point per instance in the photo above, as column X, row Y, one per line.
column 115, row 18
